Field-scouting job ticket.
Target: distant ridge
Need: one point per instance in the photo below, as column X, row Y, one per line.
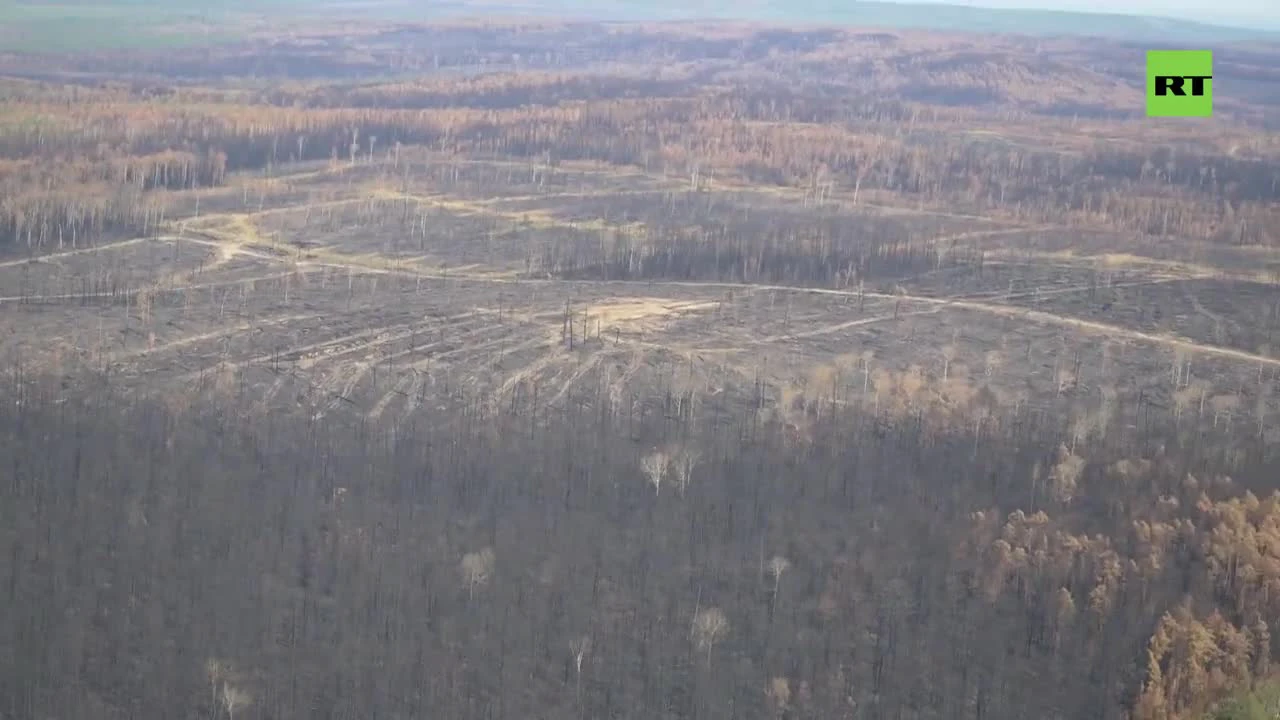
column 77, row 25
column 926, row 16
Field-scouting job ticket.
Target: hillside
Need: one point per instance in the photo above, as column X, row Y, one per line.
column 506, row 369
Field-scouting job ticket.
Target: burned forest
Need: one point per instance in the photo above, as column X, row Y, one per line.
column 515, row 369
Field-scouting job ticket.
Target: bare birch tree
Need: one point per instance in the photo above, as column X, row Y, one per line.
column 477, row 567
column 709, row 627
column 684, row 462
column 777, row 566
column 580, row 647
column 655, row 466
column 234, row 699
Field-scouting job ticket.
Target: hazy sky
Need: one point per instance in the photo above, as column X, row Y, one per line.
column 1205, row 10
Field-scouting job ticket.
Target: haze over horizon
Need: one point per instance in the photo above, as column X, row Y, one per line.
column 999, row 15
column 1265, row 12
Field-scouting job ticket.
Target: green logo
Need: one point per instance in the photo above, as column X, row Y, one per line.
column 1179, row 83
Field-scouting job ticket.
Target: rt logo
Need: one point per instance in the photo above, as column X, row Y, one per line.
column 1179, row 83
